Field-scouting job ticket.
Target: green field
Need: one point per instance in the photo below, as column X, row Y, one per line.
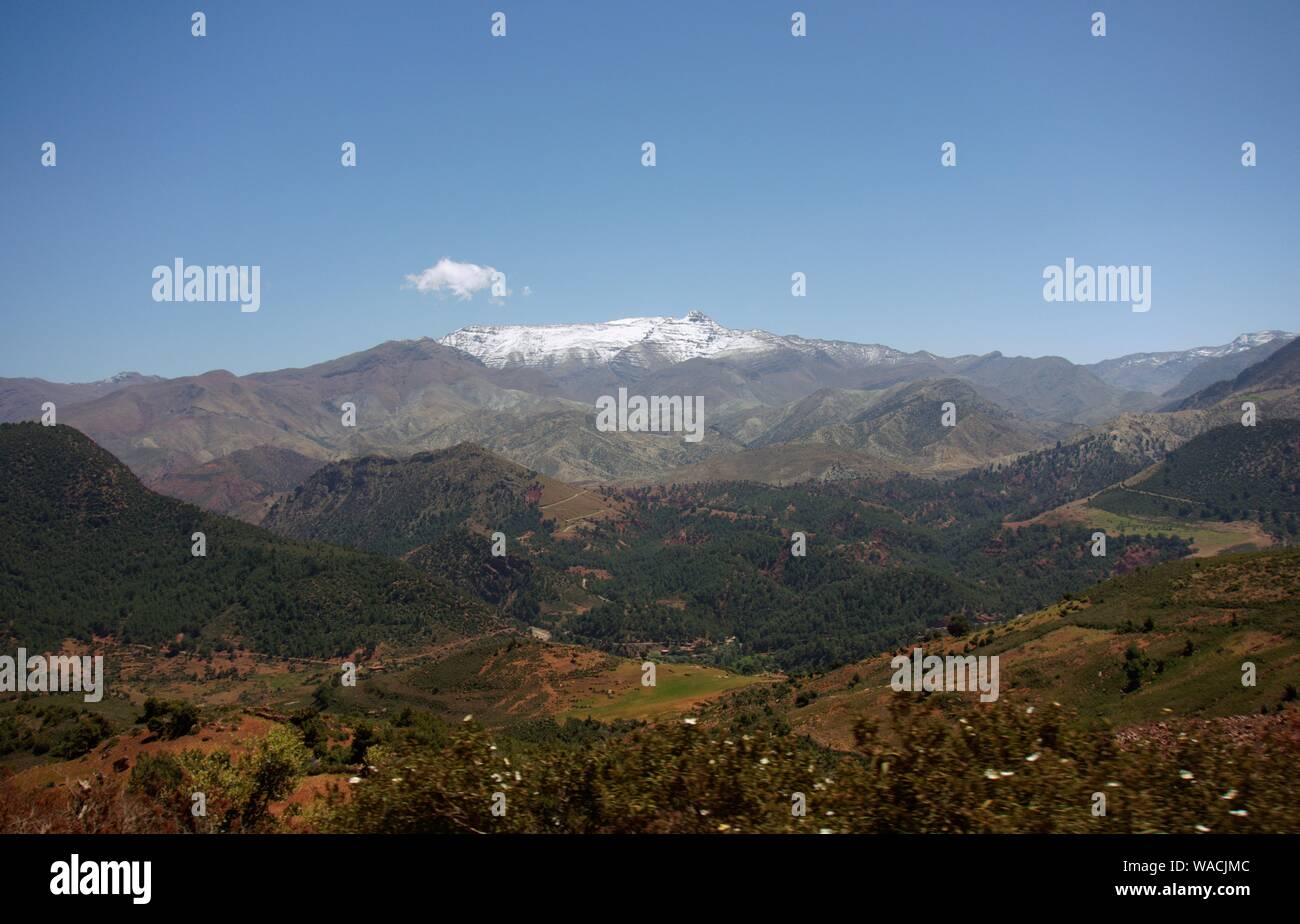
column 1228, row 474
column 676, row 690
column 1209, row 538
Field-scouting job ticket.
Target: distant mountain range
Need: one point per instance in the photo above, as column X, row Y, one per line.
column 649, row 343
column 17, row 395
column 1179, row 373
column 777, row 408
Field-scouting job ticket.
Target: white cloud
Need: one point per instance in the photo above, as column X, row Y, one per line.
column 460, row 279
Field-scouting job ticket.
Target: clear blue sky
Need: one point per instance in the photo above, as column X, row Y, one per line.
column 775, row 154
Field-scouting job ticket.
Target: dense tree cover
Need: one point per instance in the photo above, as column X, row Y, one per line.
column 85, row 550
column 42, row 727
column 715, row 561
column 391, row 506
column 888, row 559
column 1230, row 473
column 710, row 566
column 689, row 563
column 1017, row 490
column 511, row 582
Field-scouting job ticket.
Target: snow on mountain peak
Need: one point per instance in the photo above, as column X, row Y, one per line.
column 1258, row 338
column 1239, row 343
column 119, row 377
column 637, row 341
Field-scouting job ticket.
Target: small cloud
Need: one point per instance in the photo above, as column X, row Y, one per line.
column 526, row 290
column 460, row 279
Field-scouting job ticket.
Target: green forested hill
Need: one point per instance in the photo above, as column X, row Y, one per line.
column 1015, row 490
column 391, row 506
column 706, row 571
column 708, row 562
column 513, row 582
column 1229, row 473
column 86, row 550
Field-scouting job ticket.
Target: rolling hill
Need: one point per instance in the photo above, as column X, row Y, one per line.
column 1229, row 473
column 438, row 512
column 391, row 506
column 86, row 551
column 1158, row 644
column 243, row 484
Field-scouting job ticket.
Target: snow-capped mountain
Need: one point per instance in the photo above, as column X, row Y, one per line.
column 850, row 353
column 641, row 342
column 1159, row 372
column 1238, row 345
column 120, row 379
column 635, row 345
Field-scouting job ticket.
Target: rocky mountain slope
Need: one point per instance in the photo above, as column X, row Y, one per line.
column 1160, row 372
column 21, row 399
column 528, row 393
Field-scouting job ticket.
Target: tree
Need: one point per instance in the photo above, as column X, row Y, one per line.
column 362, row 738
column 170, row 719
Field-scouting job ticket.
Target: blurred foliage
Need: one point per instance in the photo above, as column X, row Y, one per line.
column 237, row 792
column 939, row 766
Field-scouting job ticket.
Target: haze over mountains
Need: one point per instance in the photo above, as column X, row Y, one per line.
column 777, row 408
column 16, row 395
column 1181, row 372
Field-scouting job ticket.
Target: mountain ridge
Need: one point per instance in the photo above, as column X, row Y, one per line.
column 88, row 552
column 198, row 437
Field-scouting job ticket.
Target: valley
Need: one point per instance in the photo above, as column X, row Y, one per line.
column 589, row 418
column 495, row 612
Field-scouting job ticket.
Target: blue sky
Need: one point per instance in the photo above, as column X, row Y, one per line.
column 775, row 154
